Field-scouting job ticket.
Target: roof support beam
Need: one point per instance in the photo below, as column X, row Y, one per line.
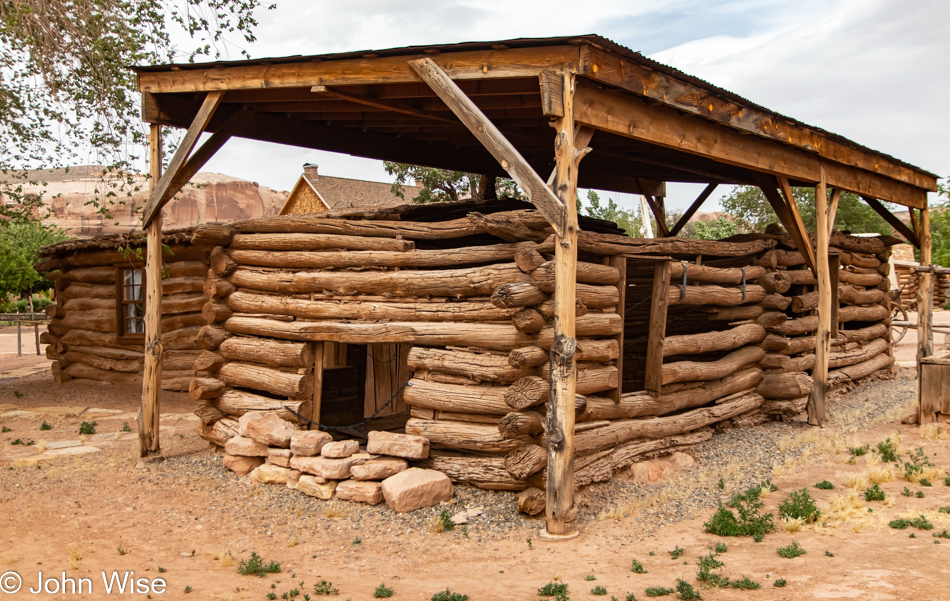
column 693, row 208
column 537, row 191
column 629, row 116
column 892, row 220
column 833, row 209
column 657, row 206
column 790, row 217
column 387, row 105
column 198, row 125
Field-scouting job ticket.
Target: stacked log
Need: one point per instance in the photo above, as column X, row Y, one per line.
column 83, row 325
column 907, row 284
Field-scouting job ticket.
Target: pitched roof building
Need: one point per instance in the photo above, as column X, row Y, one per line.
column 315, row 193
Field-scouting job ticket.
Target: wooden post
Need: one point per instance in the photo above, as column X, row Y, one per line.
column 656, row 335
column 560, row 510
column 315, row 406
column 620, row 263
column 36, row 336
column 834, row 268
column 925, row 307
column 150, row 412
column 19, row 340
column 816, row 408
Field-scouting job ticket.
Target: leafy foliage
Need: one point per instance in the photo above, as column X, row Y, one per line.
column 752, row 213
column 780, row 583
column 916, row 464
column 792, row 551
column 20, row 239
column 441, row 185
column 750, row 521
column 800, row 505
column 553, row 589
column 658, row 591
column 921, row 523
column 87, row 428
column 382, row 591
column 255, row 566
column 887, row 450
column 825, row 485
column 67, row 96
column 874, row 493
column 325, row 588
column 637, row 568
column 676, row 553
column 686, row 592
column 598, row 591
column 448, row 595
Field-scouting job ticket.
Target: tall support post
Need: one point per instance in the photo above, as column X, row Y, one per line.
column 316, row 406
column 925, row 306
column 816, row 408
column 561, row 512
column 656, row 335
column 150, row 412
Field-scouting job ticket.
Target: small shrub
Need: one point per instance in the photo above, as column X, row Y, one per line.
column 920, row 494
column 706, row 565
column 907, row 492
column 598, row 591
column 829, row 553
column 658, row 591
column 924, row 482
column 188, row 589
column 887, row 450
column 780, row 583
column 590, row 577
column 721, row 548
column 270, row 596
column 382, row 591
column 825, row 485
column 685, row 591
column 943, row 534
column 448, row 595
column 44, row 426
column 632, row 597
column 6, row 429
column 125, row 427
column 945, row 509
column 255, row 566
column 553, row 589
column 357, row 540
column 676, row 553
column 874, row 493
column 859, row 451
column 745, row 584
column 799, row 504
column 161, row 570
column 325, row 588
column 921, row 523
column 750, row 521
column 792, row 551
column 27, row 443
column 443, row 522
column 121, row 550
column 637, row 568
column 917, row 465
column 88, row 429
column 946, row 481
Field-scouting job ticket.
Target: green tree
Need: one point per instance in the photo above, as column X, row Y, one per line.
column 711, row 230
column 940, row 225
column 441, row 185
column 66, row 93
column 20, row 239
column 752, row 213
column 628, row 220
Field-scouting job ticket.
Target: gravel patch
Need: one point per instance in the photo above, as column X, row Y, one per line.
column 694, row 490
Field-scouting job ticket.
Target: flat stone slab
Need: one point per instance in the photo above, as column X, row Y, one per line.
column 62, row 444
column 57, row 453
column 103, row 411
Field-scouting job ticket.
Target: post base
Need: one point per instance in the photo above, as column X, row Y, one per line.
column 545, row 535
column 144, row 462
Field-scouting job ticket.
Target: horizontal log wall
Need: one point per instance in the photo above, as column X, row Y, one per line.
column 84, row 325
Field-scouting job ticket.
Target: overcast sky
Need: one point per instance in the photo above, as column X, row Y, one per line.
column 875, row 71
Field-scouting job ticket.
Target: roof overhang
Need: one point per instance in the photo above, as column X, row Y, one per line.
column 654, row 123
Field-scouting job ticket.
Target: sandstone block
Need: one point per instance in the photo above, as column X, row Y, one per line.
column 271, row 430
column 241, row 465
column 279, row 457
column 415, row 488
column 325, row 467
column 316, row 487
column 245, row 447
column 245, row 419
column 340, row 449
column 398, row 445
column 378, row 469
column 362, row 492
column 271, row 474
column 308, row 443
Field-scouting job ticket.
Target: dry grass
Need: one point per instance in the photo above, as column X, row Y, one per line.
column 934, row 432
column 858, row 481
column 227, row 560
column 74, row 556
column 335, row 511
column 790, row 524
column 879, row 474
column 293, row 542
column 845, row 506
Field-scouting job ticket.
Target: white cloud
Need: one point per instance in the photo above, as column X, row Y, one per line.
column 874, row 71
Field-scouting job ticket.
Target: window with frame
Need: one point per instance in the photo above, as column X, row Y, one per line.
column 131, row 303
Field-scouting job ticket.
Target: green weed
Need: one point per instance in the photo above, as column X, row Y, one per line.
column 943, row 534
column 88, row 429
column 658, row 591
column 382, row 591
column 44, row 426
column 448, row 595
column 907, row 492
column 750, row 521
column 685, row 591
column 553, row 589
column 859, row 451
column 800, row 505
column 745, row 584
column 255, row 566
column 721, row 548
column 921, row 523
column 916, row 465
column 780, row 583
column 887, row 450
column 676, row 553
column 829, row 553
column 825, row 485
column 598, row 591
column 792, row 551
column 874, row 493
column 637, row 568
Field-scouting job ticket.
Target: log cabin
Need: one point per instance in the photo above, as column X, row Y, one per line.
column 542, row 350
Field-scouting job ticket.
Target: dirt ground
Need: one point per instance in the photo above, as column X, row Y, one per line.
column 190, row 523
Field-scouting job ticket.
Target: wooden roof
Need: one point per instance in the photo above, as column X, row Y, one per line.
column 653, row 123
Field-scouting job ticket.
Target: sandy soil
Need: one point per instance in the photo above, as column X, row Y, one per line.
column 178, row 521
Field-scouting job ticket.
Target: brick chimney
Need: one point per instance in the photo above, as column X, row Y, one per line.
column 310, row 170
